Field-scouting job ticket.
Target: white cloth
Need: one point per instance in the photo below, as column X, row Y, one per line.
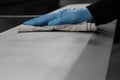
column 79, row 27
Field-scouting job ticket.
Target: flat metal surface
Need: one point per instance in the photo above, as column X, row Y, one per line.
column 55, row 55
column 114, row 64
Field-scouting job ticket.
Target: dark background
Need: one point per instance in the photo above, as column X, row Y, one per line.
column 66, row 2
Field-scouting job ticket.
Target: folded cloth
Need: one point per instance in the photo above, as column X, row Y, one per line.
column 68, row 27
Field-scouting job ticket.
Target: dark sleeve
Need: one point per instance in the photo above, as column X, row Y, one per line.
column 105, row 11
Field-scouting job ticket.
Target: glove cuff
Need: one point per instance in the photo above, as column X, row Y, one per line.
column 86, row 15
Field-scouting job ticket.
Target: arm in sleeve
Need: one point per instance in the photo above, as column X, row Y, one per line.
column 104, row 11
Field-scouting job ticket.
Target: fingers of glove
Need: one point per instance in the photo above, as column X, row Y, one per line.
column 62, row 17
column 40, row 21
column 67, row 19
column 43, row 20
column 57, row 21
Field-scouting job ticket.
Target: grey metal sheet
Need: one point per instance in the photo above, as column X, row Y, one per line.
column 55, row 55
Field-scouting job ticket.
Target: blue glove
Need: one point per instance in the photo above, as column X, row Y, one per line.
column 68, row 16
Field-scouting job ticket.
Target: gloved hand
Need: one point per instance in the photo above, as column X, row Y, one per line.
column 73, row 16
